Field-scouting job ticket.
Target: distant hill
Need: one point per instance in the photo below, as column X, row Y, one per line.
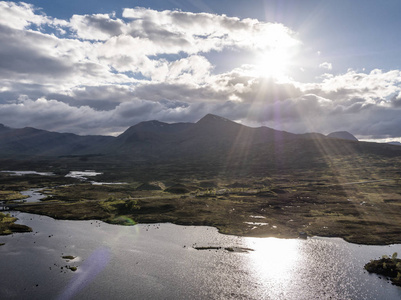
column 344, row 135
column 212, row 140
column 31, row 141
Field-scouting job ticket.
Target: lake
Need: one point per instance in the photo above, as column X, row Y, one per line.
column 159, row 261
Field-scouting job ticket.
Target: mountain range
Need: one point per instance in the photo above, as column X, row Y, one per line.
column 212, row 138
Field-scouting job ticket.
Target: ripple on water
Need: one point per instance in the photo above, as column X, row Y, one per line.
column 158, row 261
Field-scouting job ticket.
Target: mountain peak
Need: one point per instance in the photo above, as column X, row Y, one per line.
column 344, row 135
column 3, row 128
column 210, row 118
column 152, row 123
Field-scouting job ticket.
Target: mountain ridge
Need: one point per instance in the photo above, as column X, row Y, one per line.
column 344, row 135
column 212, row 138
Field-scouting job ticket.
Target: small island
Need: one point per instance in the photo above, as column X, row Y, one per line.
column 68, row 257
column 228, row 249
column 8, row 226
column 389, row 267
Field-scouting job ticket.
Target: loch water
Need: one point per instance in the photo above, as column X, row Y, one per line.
column 159, row 261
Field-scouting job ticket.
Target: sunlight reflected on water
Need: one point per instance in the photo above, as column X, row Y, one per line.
column 274, row 263
column 158, row 261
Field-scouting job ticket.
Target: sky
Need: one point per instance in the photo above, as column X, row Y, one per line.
column 99, row 67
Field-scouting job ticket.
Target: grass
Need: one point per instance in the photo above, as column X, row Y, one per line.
column 8, row 226
column 11, row 196
column 356, row 198
column 389, row 267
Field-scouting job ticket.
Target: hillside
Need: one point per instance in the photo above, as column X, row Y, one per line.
column 212, row 140
column 35, row 142
column 214, row 172
column 344, row 135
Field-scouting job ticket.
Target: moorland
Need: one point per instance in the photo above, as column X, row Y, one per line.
column 217, row 173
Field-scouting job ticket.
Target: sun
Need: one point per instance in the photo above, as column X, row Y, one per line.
column 275, row 52
column 273, row 63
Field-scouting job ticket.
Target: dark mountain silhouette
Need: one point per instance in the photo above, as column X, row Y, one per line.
column 143, row 138
column 212, row 140
column 2, row 127
column 344, row 135
column 395, row 143
column 312, row 135
column 211, row 137
column 31, row 141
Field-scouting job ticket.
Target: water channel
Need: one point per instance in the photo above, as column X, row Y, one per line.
column 159, row 261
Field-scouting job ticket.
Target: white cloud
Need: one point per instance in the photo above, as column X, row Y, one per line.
column 326, row 65
column 19, row 15
column 23, row 15
column 375, row 87
column 111, row 47
column 99, row 74
column 203, row 32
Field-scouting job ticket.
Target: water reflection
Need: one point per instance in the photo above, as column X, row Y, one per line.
column 158, row 261
column 22, row 173
column 274, row 259
column 82, row 175
column 317, row 268
column 33, row 195
column 274, row 263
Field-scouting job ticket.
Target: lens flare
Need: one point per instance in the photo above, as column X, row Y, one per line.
column 87, row 273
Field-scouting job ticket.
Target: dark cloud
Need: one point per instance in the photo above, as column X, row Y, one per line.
column 160, row 35
column 21, row 56
column 396, row 100
column 14, row 89
column 173, row 103
column 109, row 26
column 96, row 27
column 88, row 82
column 179, row 92
column 137, row 108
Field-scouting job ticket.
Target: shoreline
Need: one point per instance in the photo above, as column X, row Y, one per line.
column 362, row 206
column 8, row 225
column 223, row 231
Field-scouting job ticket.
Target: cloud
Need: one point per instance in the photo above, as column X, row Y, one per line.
column 326, row 65
column 131, row 46
column 203, row 32
column 364, row 104
column 100, row 73
column 59, row 116
column 51, row 114
column 96, row 27
column 27, row 55
column 19, row 15
column 396, row 100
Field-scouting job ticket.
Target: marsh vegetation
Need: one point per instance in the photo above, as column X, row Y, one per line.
column 356, row 198
column 8, row 226
column 390, row 267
